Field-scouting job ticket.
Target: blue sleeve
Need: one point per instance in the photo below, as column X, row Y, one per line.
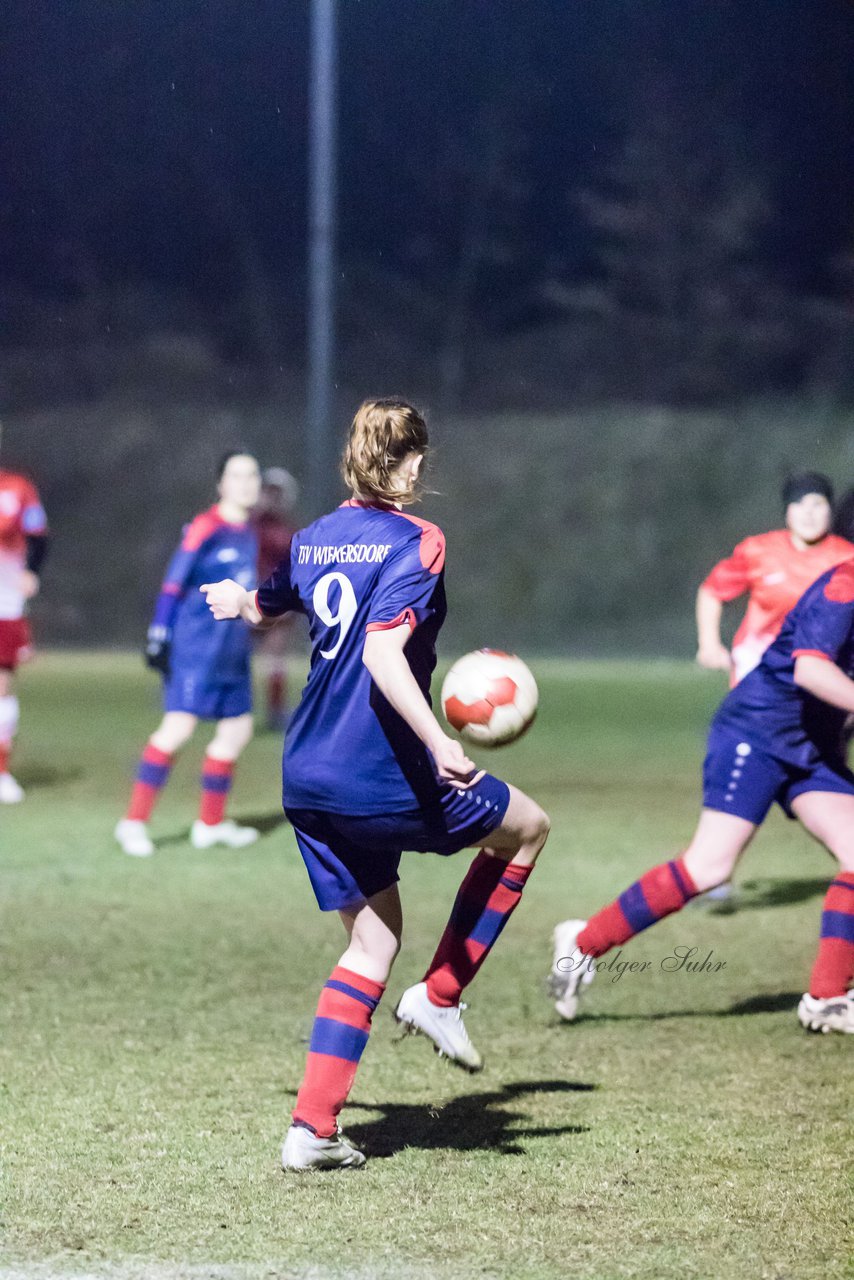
column 826, row 624
column 278, row 595
column 407, row 584
column 175, row 583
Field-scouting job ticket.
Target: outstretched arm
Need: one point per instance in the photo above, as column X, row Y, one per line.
column 712, row 653
column 227, row 599
column 384, row 657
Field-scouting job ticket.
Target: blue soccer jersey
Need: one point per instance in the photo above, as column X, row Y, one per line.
column 768, row 709
column 205, row 651
column 361, row 568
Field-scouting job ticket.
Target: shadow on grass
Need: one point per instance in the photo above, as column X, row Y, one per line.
column 41, row 777
column 751, row 895
column 471, row 1122
column 265, row 823
column 777, row 1002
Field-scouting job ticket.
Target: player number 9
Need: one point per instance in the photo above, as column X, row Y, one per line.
column 345, row 613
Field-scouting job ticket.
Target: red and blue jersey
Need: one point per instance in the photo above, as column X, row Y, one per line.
column 211, row 549
column 768, row 709
column 363, row 567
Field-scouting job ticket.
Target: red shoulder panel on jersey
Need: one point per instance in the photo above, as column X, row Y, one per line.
column 200, row 529
column 432, row 542
column 840, row 587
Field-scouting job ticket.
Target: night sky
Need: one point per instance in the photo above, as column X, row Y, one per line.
column 135, row 129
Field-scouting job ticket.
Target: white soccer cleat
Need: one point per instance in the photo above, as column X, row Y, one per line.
column 571, row 969
column 133, row 838
column 834, row 1014
column 302, row 1150
column 444, row 1026
column 11, row 792
column 205, row 835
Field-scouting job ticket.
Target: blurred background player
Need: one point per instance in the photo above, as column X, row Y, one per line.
column 23, row 545
column 774, row 569
column 776, row 737
column 275, row 524
column 368, row 771
column 205, row 666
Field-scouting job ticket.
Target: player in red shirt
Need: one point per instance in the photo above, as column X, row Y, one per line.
column 774, row 569
column 275, row 526
column 23, row 544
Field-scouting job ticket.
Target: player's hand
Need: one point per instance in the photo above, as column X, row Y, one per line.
column 453, row 765
column 157, row 649
column 225, row 599
column 29, row 584
column 714, row 657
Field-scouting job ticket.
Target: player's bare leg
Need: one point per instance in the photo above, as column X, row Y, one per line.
column 212, row 827
column 10, row 790
column 486, row 899
column 341, row 1029
column 131, row 833
column 829, row 1003
column 710, row 859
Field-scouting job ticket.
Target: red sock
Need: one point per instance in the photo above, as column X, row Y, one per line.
column 341, row 1029
column 5, row 752
column 217, row 777
column 151, row 777
column 657, row 894
column 833, row 971
column 486, row 898
column 275, row 693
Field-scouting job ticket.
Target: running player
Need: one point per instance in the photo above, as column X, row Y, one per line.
column 369, row 772
column 205, row 667
column 774, row 569
column 777, row 736
column 274, row 522
column 23, row 544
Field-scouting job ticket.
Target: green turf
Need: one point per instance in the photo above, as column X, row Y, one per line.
column 154, row 1017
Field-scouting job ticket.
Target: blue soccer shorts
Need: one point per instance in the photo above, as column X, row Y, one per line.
column 739, row 778
column 187, row 690
column 350, row 858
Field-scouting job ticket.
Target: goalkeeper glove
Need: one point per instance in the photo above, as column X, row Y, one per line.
column 157, row 649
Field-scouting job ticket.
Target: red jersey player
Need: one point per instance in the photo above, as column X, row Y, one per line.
column 774, row 569
column 273, row 521
column 23, row 543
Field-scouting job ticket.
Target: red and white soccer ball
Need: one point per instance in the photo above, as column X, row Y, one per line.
column 489, row 697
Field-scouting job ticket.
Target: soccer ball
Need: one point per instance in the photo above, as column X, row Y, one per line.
column 489, row 697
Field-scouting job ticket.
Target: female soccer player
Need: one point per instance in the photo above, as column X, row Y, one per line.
column 23, row 544
column 777, row 736
column 774, row 569
column 205, row 667
column 369, row 772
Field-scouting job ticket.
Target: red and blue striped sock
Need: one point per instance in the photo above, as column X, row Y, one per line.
column 217, row 777
column 486, row 898
column 340, row 1032
column 657, row 894
column 833, row 971
column 151, row 777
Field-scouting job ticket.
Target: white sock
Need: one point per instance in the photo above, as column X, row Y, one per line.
column 10, row 711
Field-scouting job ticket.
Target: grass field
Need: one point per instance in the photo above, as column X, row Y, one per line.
column 154, row 1017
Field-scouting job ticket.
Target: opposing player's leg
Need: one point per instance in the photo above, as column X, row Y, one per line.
column 829, row 1004
column 718, row 843
column 155, row 766
column 232, row 735
column 10, row 790
column 341, row 1029
column 486, row 899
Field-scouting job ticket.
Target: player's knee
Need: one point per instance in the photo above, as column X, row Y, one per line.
column 537, row 827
